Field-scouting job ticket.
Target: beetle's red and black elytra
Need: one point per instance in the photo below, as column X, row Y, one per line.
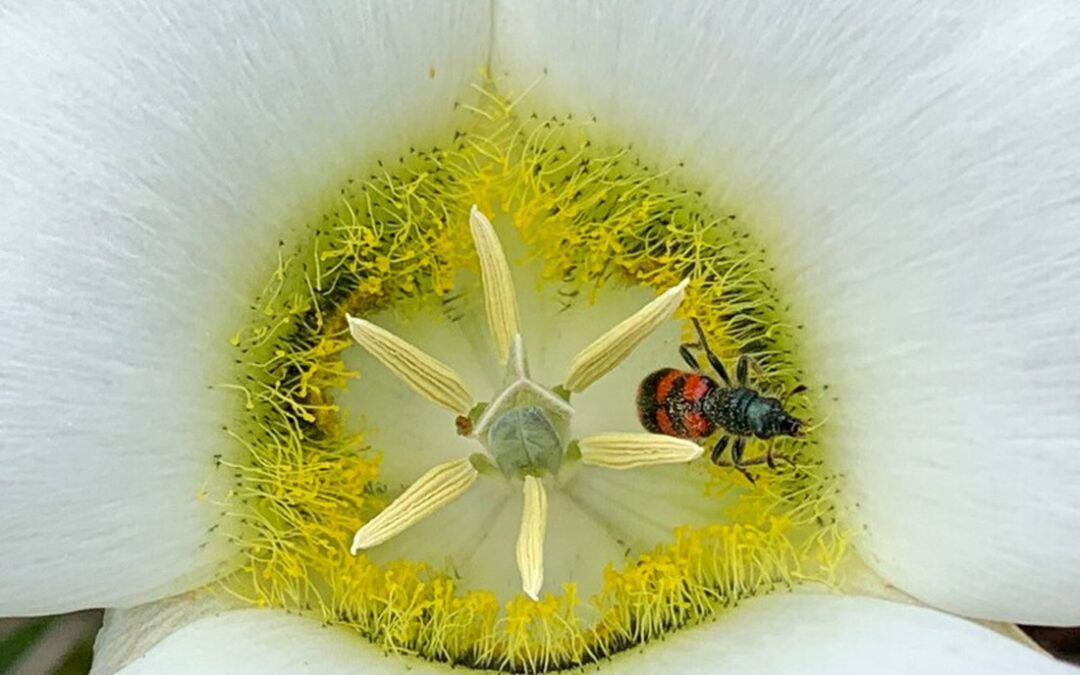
column 693, row 405
column 670, row 402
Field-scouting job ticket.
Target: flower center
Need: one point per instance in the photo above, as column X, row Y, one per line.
column 531, row 442
column 524, row 427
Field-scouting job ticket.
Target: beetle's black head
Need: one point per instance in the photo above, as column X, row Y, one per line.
column 778, row 422
column 789, row 425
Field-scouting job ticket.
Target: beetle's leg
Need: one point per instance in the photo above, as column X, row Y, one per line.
column 744, row 365
column 780, row 455
column 737, row 449
column 714, row 360
column 769, row 458
column 753, row 461
column 742, row 371
column 736, row 455
column 718, row 450
column 691, row 360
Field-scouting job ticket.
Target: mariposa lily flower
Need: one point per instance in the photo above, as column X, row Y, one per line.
column 253, row 325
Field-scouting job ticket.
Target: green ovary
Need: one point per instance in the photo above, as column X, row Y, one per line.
column 583, row 224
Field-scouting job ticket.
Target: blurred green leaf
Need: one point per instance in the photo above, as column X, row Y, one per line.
column 19, row 641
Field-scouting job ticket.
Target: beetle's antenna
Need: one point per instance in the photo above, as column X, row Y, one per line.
column 714, row 360
column 814, row 427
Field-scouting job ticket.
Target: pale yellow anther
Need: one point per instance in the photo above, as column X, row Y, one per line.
column 429, row 377
column 530, row 543
column 432, row 491
column 612, row 347
column 628, row 451
column 499, row 299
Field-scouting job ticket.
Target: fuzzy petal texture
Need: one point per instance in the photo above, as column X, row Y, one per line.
column 790, row 634
column 913, row 172
column 151, row 156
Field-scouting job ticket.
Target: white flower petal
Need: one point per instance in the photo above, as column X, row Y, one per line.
column 914, row 174
column 152, row 157
column 796, row 634
column 262, row 642
column 128, row 633
column 778, row 634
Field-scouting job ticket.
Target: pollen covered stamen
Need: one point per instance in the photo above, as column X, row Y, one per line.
column 530, row 543
column 435, row 489
column 429, row 377
column 499, row 299
column 629, row 451
column 611, row 348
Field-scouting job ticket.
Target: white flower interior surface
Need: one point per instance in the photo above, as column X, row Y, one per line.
column 149, row 156
column 914, row 174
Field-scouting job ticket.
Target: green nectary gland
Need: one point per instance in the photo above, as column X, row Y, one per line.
column 595, row 216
